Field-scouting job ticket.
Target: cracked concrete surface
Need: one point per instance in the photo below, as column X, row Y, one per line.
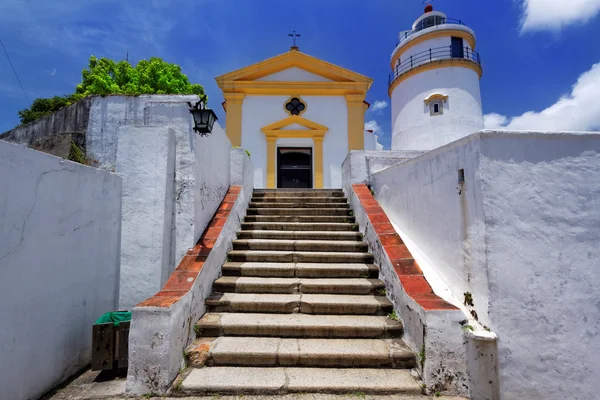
column 106, row 386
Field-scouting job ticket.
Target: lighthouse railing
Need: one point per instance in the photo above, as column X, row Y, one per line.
column 428, row 23
column 432, row 55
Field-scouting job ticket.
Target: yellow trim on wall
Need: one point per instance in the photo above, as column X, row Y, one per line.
column 233, row 120
column 293, row 59
column 434, row 35
column 314, row 131
column 270, row 88
column 435, row 96
column 450, row 62
column 356, row 121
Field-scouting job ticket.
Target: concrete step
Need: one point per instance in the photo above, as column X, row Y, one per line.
column 298, row 204
column 300, row 245
column 294, row 199
column 299, row 303
column 299, row 211
column 298, row 256
column 297, row 193
column 278, row 352
column 243, row 284
column 301, row 218
column 299, row 226
column 303, row 270
column 300, row 235
column 280, row 380
column 297, row 325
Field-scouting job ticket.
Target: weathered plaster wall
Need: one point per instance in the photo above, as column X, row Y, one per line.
column 541, row 201
column 145, row 159
column 212, row 176
column 70, row 119
column 59, row 266
column 359, row 165
column 437, row 334
column 521, row 235
column 160, row 333
column 423, row 198
column 180, row 197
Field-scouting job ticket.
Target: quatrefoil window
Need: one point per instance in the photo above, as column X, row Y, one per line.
column 295, row 106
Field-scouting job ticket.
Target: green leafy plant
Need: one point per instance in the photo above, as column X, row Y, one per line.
column 437, row 394
column 467, row 328
column 422, row 357
column 104, row 77
column 393, row 316
column 77, row 155
column 381, row 292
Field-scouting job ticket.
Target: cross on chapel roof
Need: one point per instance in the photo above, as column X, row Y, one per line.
column 294, row 35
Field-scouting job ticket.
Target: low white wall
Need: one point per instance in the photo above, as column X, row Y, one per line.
column 146, row 158
column 522, row 237
column 73, row 118
column 173, row 181
column 435, row 334
column 59, row 266
column 212, row 176
column 159, row 335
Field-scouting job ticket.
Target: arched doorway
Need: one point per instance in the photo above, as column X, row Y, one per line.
column 294, row 167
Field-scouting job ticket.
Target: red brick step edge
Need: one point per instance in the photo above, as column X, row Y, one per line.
column 182, row 279
column 411, row 277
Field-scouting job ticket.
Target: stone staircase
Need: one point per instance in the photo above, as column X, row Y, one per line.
column 299, row 307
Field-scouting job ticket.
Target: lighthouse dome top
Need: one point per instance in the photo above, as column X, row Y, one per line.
column 429, row 18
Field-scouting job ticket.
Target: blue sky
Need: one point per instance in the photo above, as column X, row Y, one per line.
column 539, row 59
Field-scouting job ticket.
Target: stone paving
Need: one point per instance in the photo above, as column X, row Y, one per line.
column 102, row 386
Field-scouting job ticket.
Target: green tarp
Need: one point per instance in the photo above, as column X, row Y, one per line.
column 116, row 317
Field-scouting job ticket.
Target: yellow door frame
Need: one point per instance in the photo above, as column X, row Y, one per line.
column 276, row 130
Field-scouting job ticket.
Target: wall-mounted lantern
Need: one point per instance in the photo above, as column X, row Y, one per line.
column 204, row 118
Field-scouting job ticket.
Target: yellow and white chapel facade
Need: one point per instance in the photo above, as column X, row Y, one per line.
column 298, row 116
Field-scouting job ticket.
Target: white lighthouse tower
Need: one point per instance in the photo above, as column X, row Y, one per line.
column 434, row 84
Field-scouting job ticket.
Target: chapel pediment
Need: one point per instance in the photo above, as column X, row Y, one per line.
column 295, row 126
column 290, row 64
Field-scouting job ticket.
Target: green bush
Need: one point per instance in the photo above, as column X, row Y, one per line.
column 105, row 77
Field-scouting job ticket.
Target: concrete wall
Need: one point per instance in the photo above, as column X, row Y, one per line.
column 149, row 140
column 145, row 160
column 521, row 235
column 435, row 333
column 159, row 335
column 330, row 111
column 212, row 177
column 59, row 266
column 70, row 119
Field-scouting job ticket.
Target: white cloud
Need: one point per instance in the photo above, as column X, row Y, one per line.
column 576, row 111
column 378, row 106
column 52, row 73
column 494, row 121
column 555, row 14
column 373, row 126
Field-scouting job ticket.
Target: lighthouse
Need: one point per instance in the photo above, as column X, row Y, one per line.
column 434, row 83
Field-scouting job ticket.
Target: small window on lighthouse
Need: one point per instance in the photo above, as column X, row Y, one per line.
column 436, row 107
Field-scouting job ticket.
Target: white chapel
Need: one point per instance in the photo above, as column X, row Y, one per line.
column 299, row 116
